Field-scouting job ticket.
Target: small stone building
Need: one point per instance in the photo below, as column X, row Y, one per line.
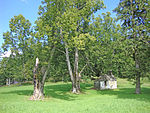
column 105, row 82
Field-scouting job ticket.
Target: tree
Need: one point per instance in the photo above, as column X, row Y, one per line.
column 17, row 41
column 69, row 17
column 103, row 56
column 73, row 34
column 134, row 15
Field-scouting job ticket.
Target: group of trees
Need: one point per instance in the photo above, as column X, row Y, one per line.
column 67, row 41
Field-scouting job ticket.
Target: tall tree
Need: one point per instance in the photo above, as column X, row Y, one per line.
column 17, row 40
column 69, row 16
column 102, row 56
column 134, row 15
column 73, row 34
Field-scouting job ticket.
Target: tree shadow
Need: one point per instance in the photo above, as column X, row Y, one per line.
column 128, row 93
column 63, row 91
column 20, row 92
column 58, row 91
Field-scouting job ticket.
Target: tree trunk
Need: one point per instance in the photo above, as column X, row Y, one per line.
column 47, row 70
column 138, row 85
column 76, row 74
column 138, row 88
column 38, row 88
column 38, row 91
column 74, row 77
column 68, row 62
column 7, row 82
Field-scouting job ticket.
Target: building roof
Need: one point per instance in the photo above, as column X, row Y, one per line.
column 106, row 78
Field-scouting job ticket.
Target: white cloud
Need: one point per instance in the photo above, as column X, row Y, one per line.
column 6, row 54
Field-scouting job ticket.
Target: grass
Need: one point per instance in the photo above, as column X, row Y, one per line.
column 15, row 99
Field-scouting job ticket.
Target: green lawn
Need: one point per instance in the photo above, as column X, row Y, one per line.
column 15, row 99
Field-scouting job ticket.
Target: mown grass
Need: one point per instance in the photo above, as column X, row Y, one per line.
column 15, row 99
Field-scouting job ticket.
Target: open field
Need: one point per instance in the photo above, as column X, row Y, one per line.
column 15, row 99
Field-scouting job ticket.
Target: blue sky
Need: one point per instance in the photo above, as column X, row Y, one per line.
column 29, row 9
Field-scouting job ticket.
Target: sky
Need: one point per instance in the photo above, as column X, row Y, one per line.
column 29, row 9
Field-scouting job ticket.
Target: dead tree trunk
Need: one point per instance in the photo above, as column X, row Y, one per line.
column 37, row 93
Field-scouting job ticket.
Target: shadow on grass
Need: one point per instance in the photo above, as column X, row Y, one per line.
column 58, row 91
column 128, row 93
column 63, row 91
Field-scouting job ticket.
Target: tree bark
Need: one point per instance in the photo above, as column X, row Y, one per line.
column 138, row 85
column 74, row 77
column 69, row 68
column 68, row 62
column 37, row 93
column 76, row 74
